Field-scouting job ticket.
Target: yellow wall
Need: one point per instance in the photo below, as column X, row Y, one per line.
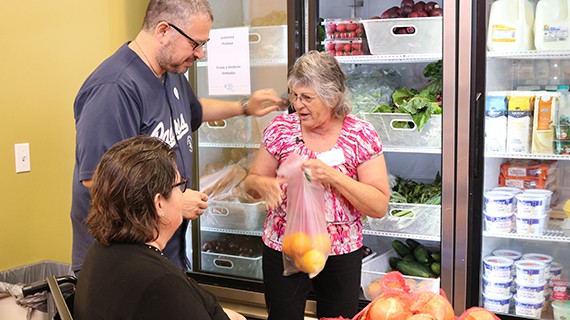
column 47, row 49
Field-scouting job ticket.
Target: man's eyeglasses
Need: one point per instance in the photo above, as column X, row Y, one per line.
column 196, row 43
column 182, row 185
column 305, row 98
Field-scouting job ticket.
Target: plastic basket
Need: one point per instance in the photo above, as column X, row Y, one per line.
column 424, row 219
column 382, row 40
column 386, row 124
column 234, row 215
column 268, row 42
column 378, row 266
column 248, row 267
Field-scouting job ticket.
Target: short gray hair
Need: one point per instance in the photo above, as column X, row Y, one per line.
column 321, row 72
column 178, row 12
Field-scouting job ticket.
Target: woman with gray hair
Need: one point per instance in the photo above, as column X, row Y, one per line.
column 343, row 153
column 137, row 204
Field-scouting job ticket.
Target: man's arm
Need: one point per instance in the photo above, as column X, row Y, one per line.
column 259, row 104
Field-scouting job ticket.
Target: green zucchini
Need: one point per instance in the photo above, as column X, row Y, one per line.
column 436, row 256
column 436, row 268
column 401, row 248
column 421, row 254
column 412, row 243
column 414, row 268
column 393, row 261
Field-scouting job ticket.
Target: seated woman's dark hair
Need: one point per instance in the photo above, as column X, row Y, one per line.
column 125, row 182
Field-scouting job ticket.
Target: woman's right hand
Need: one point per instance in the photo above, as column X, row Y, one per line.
column 269, row 190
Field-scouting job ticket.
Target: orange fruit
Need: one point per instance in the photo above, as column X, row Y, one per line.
column 300, row 243
column 286, row 246
column 373, row 290
column 313, row 261
column 322, row 242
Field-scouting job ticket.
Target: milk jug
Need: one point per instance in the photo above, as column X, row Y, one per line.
column 511, row 26
column 551, row 25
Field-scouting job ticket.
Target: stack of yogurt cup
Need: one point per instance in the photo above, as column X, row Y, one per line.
column 513, row 255
column 498, row 211
column 532, row 275
column 497, row 283
column 532, row 211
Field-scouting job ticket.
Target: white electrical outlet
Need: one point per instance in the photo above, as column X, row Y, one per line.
column 22, row 152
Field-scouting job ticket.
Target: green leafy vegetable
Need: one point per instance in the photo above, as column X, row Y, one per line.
column 409, row 191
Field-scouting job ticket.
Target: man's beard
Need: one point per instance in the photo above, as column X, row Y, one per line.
column 164, row 59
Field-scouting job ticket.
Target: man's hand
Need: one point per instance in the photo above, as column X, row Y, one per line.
column 264, row 101
column 195, row 202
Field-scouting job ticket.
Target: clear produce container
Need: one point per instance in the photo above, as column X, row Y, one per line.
column 344, row 47
column 344, row 28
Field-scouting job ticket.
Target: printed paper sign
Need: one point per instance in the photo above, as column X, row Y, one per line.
column 228, row 62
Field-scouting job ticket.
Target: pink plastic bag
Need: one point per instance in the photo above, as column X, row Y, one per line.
column 306, row 242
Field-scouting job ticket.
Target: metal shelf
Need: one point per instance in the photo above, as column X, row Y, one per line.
column 531, row 54
column 229, row 145
column 367, row 231
column 528, row 156
column 411, row 150
column 553, row 234
column 242, row 232
column 394, row 58
column 255, row 63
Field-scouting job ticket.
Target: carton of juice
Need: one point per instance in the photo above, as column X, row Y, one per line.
column 545, row 106
column 496, row 122
column 519, row 121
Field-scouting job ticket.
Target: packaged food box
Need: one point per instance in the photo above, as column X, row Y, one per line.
column 352, row 47
column 375, row 268
column 344, row 28
column 562, row 147
column 384, row 38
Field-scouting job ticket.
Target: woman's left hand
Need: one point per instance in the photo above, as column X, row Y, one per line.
column 319, row 171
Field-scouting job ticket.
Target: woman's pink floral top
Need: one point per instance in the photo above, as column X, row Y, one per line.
column 359, row 142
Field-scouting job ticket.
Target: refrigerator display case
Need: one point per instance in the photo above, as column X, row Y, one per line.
column 375, row 69
column 513, row 169
column 388, row 62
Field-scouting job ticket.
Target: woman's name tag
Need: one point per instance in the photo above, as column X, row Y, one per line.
column 332, row 157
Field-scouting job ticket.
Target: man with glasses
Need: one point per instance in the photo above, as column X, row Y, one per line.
column 141, row 89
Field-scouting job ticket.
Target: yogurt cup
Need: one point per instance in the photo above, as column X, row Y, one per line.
column 530, row 271
column 530, row 205
column 561, row 310
column 497, row 289
column 498, row 223
column 544, row 258
column 559, row 288
column 547, row 193
column 531, row 310
column 555, row 271
column 498, row 203
column 530, row 225
column 512, row 190
column 531, row 293
column 497, row 305
column 511, row 254
column 497, row 268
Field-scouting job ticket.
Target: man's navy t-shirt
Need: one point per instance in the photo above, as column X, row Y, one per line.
column 120, row 99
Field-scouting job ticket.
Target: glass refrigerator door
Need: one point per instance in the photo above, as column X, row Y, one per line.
column 383, row 58
column 227, row 238
column 522, row 184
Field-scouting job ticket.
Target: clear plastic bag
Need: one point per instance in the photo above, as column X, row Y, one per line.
column 306, row 242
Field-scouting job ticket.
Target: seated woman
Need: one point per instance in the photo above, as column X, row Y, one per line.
column 136, row 207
